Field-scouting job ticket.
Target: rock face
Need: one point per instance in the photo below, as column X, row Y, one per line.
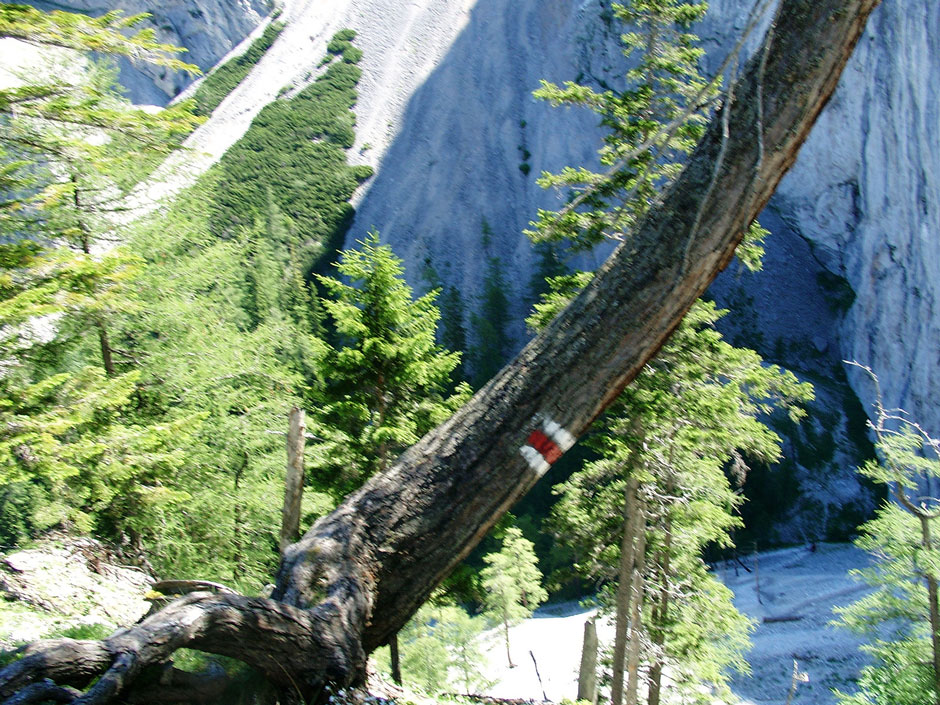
column 446, row 117
column 862, row 199
column 853, row 268
column 864, row 195
column 207, row 29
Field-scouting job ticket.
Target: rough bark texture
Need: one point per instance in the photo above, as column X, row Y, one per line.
column 638, row 592
column 294, row 479
column 625, row 594
column 587, row 673
column 358, row 574
column 660, row 617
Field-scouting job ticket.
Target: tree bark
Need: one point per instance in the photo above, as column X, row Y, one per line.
column 661, row 618
column 107, row 356
column 587, row 673
column 638, row 590
column 395, row 658
column 934, row 606
column 359, row 573
column 506, row 636
column 294, row 479
column 625, row 594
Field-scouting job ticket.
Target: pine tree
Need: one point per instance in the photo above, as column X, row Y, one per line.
column 512, row 583
column 490, row 321
column 902, row 613
column 653, row 124
column 386, row 378
column 664, row 449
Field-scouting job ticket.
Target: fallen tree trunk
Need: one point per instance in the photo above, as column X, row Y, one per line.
column 358, row 574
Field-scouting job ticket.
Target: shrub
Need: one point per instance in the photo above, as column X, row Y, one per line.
column 223, row 80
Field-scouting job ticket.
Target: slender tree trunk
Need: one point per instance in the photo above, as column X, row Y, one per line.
column 395, row 658
column 636, row 609
column 107, row 356
column 293, row 479
column 238, row 523
column 927, row 542
column 360, row 573
column 587, row 673
column 625, row 596
column 662, row 614
column 506, row 634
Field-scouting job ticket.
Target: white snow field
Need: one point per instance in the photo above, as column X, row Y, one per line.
column 795, row 583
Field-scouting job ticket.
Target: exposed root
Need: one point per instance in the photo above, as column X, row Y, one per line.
column 296, row 649
column 43, row 691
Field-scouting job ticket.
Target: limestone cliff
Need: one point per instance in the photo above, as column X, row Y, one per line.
column 207, row 29
column 863, row 198
column 446, row 117
column 853, row 268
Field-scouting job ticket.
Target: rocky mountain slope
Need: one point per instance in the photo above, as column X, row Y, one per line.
column 208, row 29
column 446, row 117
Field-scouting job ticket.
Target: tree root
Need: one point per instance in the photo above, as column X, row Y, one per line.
column 43, row 691
column 297, row 650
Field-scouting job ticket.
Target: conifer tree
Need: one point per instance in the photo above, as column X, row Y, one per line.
column 902, row 613
column 386, row 378
column 640, row 517
column 441, row 646
column 660, row 480
column 653, row 124
column 512, row 583
column 492, row 344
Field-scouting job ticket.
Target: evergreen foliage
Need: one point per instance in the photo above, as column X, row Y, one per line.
column 294, row 154
column 216, row 338
column 692, row 413
column 512, row 583
column 492, row 345
column 453, row 333
column 640, row 517
column 440, row 648
column 144, row 394
column 223, row 80
column 387, row 379
column 901, row 615
column 653, row 123
column 106, row 34
column 75, row 452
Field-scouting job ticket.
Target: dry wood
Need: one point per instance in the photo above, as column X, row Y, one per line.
column 293, row 479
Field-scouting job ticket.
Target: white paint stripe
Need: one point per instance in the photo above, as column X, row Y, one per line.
column 535, row 460
column 557, row 433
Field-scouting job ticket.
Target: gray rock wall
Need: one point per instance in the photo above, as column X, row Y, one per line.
column 865, row 195
column 853, row 267
column 207, row 29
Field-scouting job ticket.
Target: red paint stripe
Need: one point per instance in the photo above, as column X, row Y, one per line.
column 544, row 445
